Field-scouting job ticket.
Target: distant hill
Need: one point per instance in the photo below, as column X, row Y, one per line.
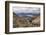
column 27, row 14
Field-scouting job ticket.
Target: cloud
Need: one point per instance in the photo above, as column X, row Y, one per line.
column 26, row 10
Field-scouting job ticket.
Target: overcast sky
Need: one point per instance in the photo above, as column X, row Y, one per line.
column 26, row 10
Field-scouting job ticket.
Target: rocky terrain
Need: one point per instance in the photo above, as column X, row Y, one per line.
column 26, row 21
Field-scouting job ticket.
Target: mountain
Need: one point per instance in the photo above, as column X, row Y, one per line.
column 27, row 14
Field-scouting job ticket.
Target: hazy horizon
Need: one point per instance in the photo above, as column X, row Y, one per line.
column 23, row 11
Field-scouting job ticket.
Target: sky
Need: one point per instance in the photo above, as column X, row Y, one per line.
column 26, row 10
